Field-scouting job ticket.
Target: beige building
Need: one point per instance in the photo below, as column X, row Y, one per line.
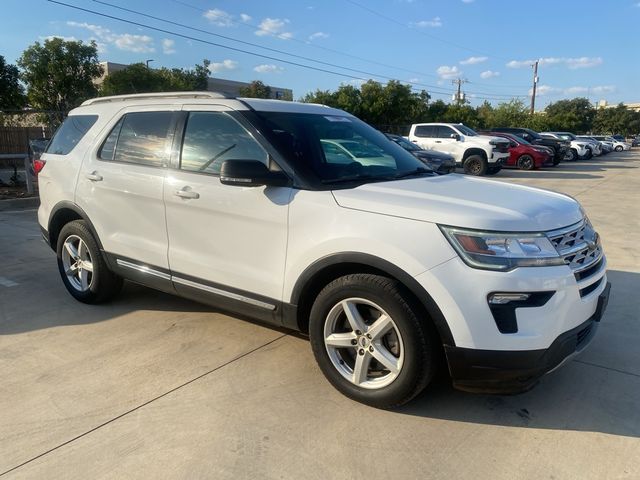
column 631, row 106
column 227, row 87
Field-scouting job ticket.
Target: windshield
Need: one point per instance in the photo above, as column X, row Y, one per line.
column 466, row 130
column 566, row 136
column 406, row 144
column 331, row 149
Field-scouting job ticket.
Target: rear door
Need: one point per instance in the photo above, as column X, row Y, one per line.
column 227, row 244
column 120, row 186
column 423, row 135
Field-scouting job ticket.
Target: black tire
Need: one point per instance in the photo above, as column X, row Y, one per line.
column 571, row 155
column 494, row 170
column 526, row 162
column 588, row 155
column 557, row 158
column 419, row 341
column 618, row 148
column 475, row 165
column 104, row 284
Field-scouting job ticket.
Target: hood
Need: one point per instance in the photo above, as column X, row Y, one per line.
column 488, row 138
column 466, row 202
column 432, row 155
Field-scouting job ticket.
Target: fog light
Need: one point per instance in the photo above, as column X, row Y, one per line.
column 504, row 298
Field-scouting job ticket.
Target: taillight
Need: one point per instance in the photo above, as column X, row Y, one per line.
column 38, row 165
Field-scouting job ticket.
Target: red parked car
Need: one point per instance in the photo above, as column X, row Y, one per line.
column 524, row 155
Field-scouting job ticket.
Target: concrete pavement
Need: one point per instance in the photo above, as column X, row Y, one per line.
column 152, row 386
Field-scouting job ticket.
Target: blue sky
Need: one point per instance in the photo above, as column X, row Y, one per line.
column 587, row 48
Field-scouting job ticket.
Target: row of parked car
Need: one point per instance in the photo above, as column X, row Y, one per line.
column 445, row 146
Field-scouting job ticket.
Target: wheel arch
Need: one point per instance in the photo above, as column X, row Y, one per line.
column 474, row 151
column 63, row 213
column 323, row 271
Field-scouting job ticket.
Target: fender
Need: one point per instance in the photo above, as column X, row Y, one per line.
column 56, row 211
column 385, row 267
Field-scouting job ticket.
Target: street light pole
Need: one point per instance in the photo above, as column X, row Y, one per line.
column 149, row 60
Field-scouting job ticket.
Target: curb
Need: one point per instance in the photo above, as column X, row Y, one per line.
column 19, row 203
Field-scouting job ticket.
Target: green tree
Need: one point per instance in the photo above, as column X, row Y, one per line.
column 618, row 119
column 137, row 78
column 60, row 74
column 323, row 97
column 513, row 113
column 575, row 115
column 11, row 91
column 256, row 89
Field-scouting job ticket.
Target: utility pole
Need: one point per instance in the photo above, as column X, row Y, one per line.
column 535, row 84
column 459, row 96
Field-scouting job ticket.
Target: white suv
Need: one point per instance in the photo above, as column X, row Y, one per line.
column 248, row 205
column 476, row 154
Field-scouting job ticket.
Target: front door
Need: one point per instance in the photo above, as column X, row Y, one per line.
column 226, row 243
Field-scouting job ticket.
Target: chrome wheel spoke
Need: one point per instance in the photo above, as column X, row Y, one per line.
column 361, row 368
column 341, row 340
column 384, row 356
column 380, row 327
column 71, row 270
column 82, row 251
column 84, row 279
column 71, row 250
column 353, row 316
column 87, row 265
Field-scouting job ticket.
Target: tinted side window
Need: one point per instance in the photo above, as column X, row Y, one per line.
column 70, row 133
column 445, row 132
column 210, row 138
column 425, row 131
column 139, row 138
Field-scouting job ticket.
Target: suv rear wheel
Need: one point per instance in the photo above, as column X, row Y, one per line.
column 475, row 165
column 83, row 270
column 369, row 342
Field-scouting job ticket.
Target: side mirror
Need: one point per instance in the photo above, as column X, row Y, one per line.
column 455, row 136
column 251, row 173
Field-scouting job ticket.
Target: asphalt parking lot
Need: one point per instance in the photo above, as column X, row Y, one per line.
column 152, row 386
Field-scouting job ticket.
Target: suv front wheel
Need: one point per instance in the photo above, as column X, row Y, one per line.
column 82, row 268
column 475, row 165
column 369, row 341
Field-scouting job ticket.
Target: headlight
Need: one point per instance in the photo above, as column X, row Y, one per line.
column 581, row 145
column 502, row 251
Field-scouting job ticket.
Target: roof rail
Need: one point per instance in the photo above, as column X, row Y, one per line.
column 154, row 95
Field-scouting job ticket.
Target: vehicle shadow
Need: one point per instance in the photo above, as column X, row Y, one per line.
column 598, row 391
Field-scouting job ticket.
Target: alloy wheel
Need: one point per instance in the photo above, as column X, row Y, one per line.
column 77, row 263
column 363, row 343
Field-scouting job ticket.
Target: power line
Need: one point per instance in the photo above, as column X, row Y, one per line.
column 188, row 37
column 403, row 24
column 313, row 45
column 282, row 52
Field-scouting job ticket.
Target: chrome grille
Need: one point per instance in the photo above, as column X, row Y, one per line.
column 578, row 244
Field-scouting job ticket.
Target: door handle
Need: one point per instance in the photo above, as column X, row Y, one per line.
column 94, row 176
column 186, row 192
column 438, row 141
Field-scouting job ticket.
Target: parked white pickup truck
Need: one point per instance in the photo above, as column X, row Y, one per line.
column 477, row 154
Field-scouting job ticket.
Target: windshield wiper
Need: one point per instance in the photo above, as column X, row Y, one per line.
column 417, row 171
column 355, row 178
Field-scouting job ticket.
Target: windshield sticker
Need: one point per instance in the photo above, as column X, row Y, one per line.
column 337, row 119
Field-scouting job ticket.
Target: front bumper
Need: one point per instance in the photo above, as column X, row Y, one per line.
column 507, row 372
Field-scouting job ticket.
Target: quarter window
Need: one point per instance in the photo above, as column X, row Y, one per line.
column 211, row 138
column 70, row 133
column 141, row 137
